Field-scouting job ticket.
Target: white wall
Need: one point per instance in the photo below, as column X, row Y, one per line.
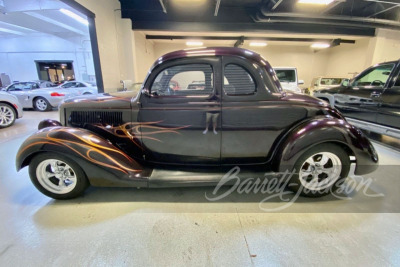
column 114, row 40
column 387, row 46
column 143, row 56
column 18, row 55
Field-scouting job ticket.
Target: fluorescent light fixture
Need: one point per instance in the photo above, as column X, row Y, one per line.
column 316, row 2
column 260, row 44
column 11, row 31
column 320, row 45
column 74, row 16
column 194, row 43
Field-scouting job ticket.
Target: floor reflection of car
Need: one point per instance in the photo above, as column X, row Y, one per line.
column 31, row 95
column 288, row 78
column 81, row 88
column 324, row 82
column 10, row 109
column 373, row 96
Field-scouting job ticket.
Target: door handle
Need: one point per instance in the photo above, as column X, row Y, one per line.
column 375, row 94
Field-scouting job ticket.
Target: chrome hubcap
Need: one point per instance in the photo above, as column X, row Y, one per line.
column 56, row 176
column 41, row 104
column 320, row 171
column 6, row 116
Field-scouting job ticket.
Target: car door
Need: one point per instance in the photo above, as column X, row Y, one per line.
column 361, row 99
column 180, row 125
column 389, row 110
column 22, row 91
column 252, row 117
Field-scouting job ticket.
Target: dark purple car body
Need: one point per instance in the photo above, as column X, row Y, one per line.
column 158, row 138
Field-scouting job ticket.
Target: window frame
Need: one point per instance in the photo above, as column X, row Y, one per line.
column 368, row 71
column 248, row 72
column 213, row 62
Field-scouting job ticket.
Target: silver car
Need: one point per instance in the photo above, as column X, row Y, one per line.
column 81, row 88
column 10, row 109
column 30, row 95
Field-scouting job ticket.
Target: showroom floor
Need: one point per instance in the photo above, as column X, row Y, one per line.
column 169, row 227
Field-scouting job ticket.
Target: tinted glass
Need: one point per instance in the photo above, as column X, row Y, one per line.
column 188, row 79
column 286, row 75
column 238, row 81
column 397, row 81
column 331, row 81
column 375, row 76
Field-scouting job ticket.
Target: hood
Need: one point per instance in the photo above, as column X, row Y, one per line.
column 120, row 100
column 305, row 99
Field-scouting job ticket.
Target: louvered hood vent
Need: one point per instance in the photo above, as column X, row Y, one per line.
column 79, row 118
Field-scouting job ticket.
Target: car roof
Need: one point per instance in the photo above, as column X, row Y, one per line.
column 213, row 51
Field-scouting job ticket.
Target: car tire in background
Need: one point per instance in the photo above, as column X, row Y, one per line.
column 41, row 104
column 319, row 170
column 7, row 115
column 57, row 176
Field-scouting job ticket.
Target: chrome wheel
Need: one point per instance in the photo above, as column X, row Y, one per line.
column 41, row 104
column 320, row 171
column 7, row 116
column 56, row 176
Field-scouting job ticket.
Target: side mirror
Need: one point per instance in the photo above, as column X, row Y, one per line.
column 346, row 82
column 301, row 82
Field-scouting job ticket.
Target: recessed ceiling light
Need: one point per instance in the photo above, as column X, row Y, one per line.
column 194, row 43
column 258, row 44
column 320, row 45
column 74, row 16
column 316, row 2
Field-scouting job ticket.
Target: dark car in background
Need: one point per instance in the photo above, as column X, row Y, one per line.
column 371, row 100
column 165, row 136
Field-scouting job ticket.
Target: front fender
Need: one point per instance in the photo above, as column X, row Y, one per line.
column 97, row 156
column 328, row 130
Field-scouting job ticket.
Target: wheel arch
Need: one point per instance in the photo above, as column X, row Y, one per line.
column 10, row 104
column 312, row 133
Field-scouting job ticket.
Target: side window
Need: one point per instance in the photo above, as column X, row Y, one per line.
column 375, row 76
column 238, row 81
column 184, row 80
column 81, row 85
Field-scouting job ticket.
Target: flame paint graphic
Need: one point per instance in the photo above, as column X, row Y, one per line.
column 136, row 131
column 85, row 145
column 94, row 148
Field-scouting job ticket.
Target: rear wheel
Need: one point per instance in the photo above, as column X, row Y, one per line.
column 7, row 115
column 57, row 176
column 41, row 104
column 319, row 170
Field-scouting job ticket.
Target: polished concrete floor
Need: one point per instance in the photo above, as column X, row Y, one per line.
column 180, row 227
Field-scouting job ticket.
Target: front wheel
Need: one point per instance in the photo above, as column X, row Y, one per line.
column 41, row 104
column 319, row 170
column 57, row 176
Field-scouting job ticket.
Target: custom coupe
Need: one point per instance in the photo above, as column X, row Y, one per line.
column 191, row 137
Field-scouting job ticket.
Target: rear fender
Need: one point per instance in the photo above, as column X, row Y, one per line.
column 326, row 130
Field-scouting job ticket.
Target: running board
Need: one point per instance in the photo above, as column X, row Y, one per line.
column 173, row 178
column 376, row 128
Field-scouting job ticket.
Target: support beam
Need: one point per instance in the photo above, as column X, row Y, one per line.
column 241, row 39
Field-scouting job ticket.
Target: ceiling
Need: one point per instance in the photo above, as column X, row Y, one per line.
column 341, row 17
column 19, row 18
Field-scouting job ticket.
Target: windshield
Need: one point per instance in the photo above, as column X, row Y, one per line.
column 331, row 81
column 286, row 75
